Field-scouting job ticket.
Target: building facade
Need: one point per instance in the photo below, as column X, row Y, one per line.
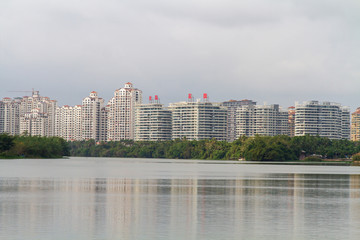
column 152, row 122
column 33, row 115
column 232, row 113
column 91, row 117
column 198, row 120
column 34, row 108
column 291, row 120
column 2, row 117
column 34, row 123
column 103, row 124
column 121, row 113
column 68, row 123
column 265, row 120
column 10, row 116
column 325, row 119
column 355, row 125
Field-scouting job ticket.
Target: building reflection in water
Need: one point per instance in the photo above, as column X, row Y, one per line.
column 269, row 205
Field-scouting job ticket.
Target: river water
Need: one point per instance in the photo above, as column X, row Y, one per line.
column 107, row 198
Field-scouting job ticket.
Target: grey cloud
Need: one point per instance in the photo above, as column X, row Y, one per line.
column 222, row 13
column 274, row 51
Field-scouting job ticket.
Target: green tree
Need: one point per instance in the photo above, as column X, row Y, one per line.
column 6, row 142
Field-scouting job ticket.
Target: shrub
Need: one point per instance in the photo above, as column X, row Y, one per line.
column 312, row 159
column 356, row 157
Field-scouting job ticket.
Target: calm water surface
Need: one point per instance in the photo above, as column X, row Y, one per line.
column 104, row 198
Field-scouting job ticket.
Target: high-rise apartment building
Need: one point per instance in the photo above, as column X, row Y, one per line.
column 198, row 120
column 10, row 116
column 34, row 123
column 68, row 123
column 34, row 115
column 232, row 112
column 91, row 117
column 152, row 122
column 355, row 125
column 45, row 110
column 77, row 123
column 121, row 111
column 265, row 120
column 325, row 119
column 2, row 116
column 103, row 124
column 291, row 115
column 345, row 123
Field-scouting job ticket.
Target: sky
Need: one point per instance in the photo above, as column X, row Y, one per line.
column 273, row 51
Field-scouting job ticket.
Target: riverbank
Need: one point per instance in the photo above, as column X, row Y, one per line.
column 322, row 163
column 18, row 147
column 259, row 148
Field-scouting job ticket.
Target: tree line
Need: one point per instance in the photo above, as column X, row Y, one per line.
column 25, row 146
column 258, row 148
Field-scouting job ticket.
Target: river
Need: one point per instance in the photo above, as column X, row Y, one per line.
column 109, row 198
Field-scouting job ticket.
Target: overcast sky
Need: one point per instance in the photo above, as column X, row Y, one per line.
column 274, row 51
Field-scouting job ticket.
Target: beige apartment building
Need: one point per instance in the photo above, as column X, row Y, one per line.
column 10, row 116
column 34, row 123
column 265, row 120
column 39, row 110
column 355, row 125
column 291, row 121
column 33, row 115
column 121, row 113
column 152, row 122
column 91, row 116
column 68, row 123
column 232, row 114
column 324, row 119
column 198, row 119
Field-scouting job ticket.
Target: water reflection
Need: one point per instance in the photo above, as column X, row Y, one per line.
column 289, row 206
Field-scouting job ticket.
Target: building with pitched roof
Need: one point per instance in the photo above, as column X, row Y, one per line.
column 121, row 113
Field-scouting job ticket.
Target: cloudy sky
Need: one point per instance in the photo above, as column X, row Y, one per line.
column 274, row 51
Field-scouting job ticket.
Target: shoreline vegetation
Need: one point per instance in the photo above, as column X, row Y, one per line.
column 307, row 150
column 286, row 150
column 24, row 146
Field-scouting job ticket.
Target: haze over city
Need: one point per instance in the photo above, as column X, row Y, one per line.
column 274, row 51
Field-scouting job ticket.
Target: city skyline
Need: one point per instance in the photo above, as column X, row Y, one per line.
column 125, row 117
column 196, row 97
column 277, row 52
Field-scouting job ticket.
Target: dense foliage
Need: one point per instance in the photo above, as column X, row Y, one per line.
column 312, row 159
column 259, row 148
column 356, row 157
column 32, row 147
